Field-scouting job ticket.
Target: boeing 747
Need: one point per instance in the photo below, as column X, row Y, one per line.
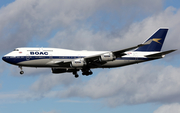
column 63, row 60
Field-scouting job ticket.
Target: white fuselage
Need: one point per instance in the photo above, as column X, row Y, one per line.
column 50, row 57
column 63, row 60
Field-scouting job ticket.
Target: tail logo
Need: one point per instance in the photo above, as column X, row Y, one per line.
column 157, row 40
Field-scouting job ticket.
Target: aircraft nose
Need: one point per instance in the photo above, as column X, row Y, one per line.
column 11, row 60
column 4, row 59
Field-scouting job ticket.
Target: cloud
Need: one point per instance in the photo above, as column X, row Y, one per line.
column 169, row 108
column 0, row 86
column 130, row 85
column 167, row 18
column 17, row 96
column 47, row 82
column 75, row 101
column 86, row 38
column 136, row 84
column 29, row 71
column 2, row 67
column 22, row 21
column 53, row 111
column 83, row 38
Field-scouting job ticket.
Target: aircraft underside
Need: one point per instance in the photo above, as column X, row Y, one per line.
column 86, row 70
column 47, row 63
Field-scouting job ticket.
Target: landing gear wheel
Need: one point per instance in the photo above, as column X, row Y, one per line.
column 87, row 72
column 21, row 72
column 90, row 73
column 76, row 76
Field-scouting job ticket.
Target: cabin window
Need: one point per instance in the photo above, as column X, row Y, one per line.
column 16, row 49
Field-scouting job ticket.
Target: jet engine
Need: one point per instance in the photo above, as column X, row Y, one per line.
column 78, row 63
column 107, row 57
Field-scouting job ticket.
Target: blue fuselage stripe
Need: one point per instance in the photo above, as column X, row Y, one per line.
column 15, row 60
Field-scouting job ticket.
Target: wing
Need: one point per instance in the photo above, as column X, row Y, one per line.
column 120, row 53
column 95, row 59
column 99, row 59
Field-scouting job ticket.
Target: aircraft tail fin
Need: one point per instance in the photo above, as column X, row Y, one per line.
column 157, row 40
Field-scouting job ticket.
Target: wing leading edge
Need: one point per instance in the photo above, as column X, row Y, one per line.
column 92, row 60
column 116, row 54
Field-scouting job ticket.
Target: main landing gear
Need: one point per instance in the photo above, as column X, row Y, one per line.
column 86, row 72
column 75, row 74
column 21, row 72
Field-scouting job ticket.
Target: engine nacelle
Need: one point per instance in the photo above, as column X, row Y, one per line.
column 57, row 70
column 78, row 63
column 107, row 57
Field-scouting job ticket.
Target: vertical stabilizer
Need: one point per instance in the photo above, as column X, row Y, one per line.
column 157, row 41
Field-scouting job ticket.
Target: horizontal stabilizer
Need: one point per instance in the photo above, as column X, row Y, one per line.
column 160, row 54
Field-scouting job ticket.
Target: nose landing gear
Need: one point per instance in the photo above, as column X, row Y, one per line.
column 21, row 72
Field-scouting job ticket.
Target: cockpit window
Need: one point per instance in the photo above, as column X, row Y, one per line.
column 16, row 49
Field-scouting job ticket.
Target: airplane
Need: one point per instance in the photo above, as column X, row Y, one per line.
column 64, row 60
